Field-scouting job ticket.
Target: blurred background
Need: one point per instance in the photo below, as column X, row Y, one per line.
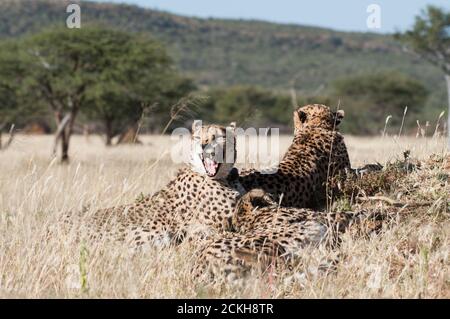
column 151, row 66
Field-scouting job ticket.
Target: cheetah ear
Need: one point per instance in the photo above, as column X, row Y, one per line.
column 339, row 116
column 232, row 126
column 299, row 118
column 196, row 126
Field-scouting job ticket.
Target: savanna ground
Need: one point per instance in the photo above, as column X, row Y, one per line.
column 409, row 257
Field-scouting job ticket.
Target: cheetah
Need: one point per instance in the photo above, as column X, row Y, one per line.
column 317, row 153
column 265, row 234
column 199, row 201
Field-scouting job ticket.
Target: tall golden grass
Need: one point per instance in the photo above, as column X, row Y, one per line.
column 408, row 259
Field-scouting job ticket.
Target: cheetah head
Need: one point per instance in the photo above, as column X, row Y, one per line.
column 246, row 206
column 317, row 115
column 213, row 149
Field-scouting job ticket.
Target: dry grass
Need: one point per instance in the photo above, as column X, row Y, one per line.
column 407, row 259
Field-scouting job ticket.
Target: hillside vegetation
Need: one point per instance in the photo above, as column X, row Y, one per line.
column 235, row 70
column 225, row 52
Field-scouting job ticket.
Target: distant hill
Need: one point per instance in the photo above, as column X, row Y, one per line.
column 225, row 52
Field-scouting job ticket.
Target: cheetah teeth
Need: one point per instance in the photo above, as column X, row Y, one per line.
column 211, row 166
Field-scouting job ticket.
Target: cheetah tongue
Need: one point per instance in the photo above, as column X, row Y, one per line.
column 211, row 166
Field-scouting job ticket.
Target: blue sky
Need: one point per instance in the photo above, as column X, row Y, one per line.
column 346, row 15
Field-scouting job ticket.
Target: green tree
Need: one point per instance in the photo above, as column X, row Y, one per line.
column 430, row 39
column 371, row 98
column 63, row 64
column 105, row 73
column 248, row 105
column 133, row 70
column 12, row 109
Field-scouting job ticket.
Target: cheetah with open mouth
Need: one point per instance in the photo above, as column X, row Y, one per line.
column 281, row 225
column 199, row 201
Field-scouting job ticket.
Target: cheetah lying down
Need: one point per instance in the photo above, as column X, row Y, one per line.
column 199, row 201
column 265, row 234
column 202, row 197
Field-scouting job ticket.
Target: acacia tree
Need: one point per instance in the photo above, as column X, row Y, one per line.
column 62, row 64
column 430, row 38
column 104, row 72
column 135, row 71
